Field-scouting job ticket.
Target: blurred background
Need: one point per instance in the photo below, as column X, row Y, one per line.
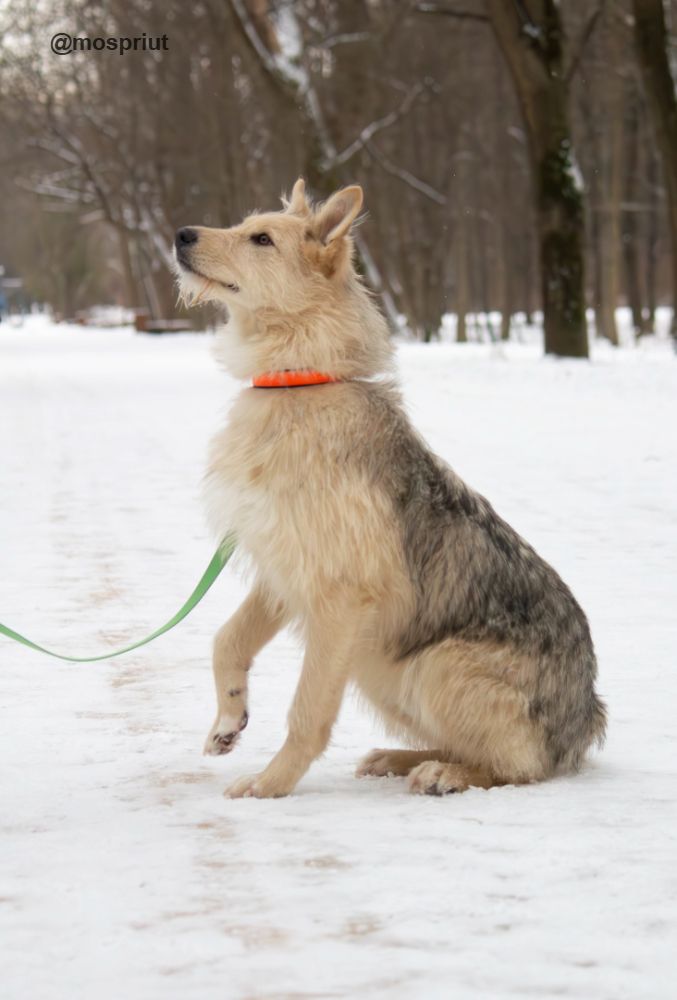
column 519, row 157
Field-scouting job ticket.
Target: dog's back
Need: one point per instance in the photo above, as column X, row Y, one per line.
column 477, row 580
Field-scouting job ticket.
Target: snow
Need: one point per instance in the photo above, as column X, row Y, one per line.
column 123, row 870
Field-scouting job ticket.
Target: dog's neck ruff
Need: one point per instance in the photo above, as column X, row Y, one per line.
column 291, row 378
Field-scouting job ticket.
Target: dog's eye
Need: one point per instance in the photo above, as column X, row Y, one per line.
column 262, row 240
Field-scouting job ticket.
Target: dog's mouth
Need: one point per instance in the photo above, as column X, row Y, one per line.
column 229, row 285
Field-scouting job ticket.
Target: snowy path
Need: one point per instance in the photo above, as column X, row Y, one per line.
column 123, row 870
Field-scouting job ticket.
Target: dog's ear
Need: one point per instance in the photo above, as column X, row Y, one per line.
column 336, row 216
column 298, row 203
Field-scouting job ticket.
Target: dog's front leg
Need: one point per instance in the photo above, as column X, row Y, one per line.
column 235, row 645
column 330, row 648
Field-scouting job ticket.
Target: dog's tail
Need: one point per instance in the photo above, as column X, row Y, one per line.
column 572, row 714
column 584, row 726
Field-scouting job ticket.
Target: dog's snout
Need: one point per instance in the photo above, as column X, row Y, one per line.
column 185, row 236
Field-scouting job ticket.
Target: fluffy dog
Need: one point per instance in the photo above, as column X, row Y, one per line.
column 399, row 577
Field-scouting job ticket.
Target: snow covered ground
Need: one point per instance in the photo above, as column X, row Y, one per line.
column 123, row 870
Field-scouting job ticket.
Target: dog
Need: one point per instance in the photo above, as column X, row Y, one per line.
column 398, row 576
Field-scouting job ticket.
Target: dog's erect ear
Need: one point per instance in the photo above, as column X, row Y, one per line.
column 297, row 204
column 338, row 213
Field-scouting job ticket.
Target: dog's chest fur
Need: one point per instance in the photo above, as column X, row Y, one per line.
column 282, row 476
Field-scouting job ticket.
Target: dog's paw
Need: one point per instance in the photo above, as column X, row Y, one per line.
column 256, row 786
column 225, row 733
column 436, row 778
column 377, row 764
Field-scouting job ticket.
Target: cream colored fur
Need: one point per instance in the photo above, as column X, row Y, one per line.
column 276, row 477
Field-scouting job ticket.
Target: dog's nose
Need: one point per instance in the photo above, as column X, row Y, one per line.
column 185, row 236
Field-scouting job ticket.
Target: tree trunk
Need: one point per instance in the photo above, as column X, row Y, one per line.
column 131, row 296
column 630, row 229
column 612, row 186
column 502, row 181
column 594, row 190
column 533, row 50
column 461, row 282
column 652, row 49
column 649, row 320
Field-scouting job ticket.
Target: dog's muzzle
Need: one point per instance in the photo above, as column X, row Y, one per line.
column 183, row 243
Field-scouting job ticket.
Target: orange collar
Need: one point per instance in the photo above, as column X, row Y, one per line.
column 291, row 378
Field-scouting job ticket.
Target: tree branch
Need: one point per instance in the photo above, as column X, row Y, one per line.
column 369, row 131
column 404, row 175
column 530, row 28
column 267, row 59
column 584, row 38
column 293, row 80
column 461, row 15
column 347, row 38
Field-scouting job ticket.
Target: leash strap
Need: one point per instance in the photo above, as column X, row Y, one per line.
column 219, row 560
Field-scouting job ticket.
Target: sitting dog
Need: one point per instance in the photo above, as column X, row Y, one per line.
column 397, row 575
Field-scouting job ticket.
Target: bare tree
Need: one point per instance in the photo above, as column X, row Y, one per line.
column 651, row 39
column 468, row 177
column 531, row 38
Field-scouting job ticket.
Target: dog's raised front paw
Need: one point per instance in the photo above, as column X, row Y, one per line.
column 224, row 734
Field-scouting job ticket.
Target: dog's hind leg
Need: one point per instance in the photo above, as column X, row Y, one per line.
column 465, row 697
column 395, row 763
column 430, row 772
column 440, row 777
column 253, row 625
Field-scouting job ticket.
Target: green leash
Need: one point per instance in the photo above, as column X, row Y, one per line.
column 219, row 560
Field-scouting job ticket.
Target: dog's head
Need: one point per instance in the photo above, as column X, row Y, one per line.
column 272, row 260
column 289, row 283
